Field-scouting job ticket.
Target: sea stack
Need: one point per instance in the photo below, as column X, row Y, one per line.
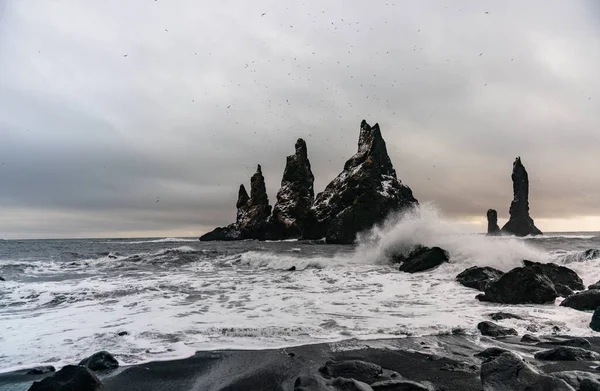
column 492, row 218
column 520, row 224
column 252, row 213
column 362, row 195
column 294, row 198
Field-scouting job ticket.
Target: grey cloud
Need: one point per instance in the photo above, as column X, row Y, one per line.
column 206, row 92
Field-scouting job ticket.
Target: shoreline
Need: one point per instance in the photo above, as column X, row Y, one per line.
column 441, row 362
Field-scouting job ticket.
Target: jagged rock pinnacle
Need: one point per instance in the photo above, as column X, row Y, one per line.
column 360, row 196
column 295, row 197
column 520, row 223
column 492, row 218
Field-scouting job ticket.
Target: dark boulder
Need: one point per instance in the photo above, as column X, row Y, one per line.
column 252, row 213
column 399, row 385
column 567, row 353
column 317, row 383
column 559, row 275
column 70, row 378
column 563, row 290
column 40, row 370
column 583, row 301
column 520, row 223
column 595, row 322
column 492, row 218
column 424, row 258
column 2, row 279
column 493, row 330
column 362, row 195
column 577, row 342
column 360, row 370
column 528, row 338
column 122, row 333
column 100, row 361
column 595, row 286
column 508, row 372
column 294, row 198
column 478, row 277
column 504, row 315
column 579, row 380
column 491, row 353
column 521, row 285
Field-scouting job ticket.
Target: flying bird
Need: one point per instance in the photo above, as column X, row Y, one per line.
column 125, row 55
column 263, row 14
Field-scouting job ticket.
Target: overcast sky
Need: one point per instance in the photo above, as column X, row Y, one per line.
column 108, row 106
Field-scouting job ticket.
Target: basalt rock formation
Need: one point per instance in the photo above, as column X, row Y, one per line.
column 492, row 218
column 252, row 213
column 294, row 198
column 362, row 195
column 520, row 224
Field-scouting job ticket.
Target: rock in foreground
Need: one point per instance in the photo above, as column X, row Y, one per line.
column 567, row 353
column 70, row 378
column 595, row 322
column 559, row 275
column 478, row 277
column 100, row 361
column 580, row 380
column 362, row 195
column 583, row 301
column 423, row 258
column 521, row 285
column 520, row 224
column 509, row 372
column 360, row 370
column 491, row 329
column 317, row 383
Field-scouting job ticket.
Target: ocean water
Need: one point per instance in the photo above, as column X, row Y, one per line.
column 65, row 299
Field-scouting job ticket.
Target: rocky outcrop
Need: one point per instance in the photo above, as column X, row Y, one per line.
column 595, row 322
column 294, row 198
column 534, row 283
column 579, row 380
column 577, row 342
column 504, row 315
column 583, row 301
column 478, row 277
column 492, row 218
column 520, row 223
column 252, row 213
column 423, row 258
column 491, row 329
column 508, row 372
column 521, row 285
column 491, row 353
column 528, row 338
column 567, row 353
column 317, row 383
column 70, row 378
column 360, row 370
column 100, row 361
column 559, row 275
column 363, row 195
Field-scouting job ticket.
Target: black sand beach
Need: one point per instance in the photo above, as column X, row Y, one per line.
column 436, row 363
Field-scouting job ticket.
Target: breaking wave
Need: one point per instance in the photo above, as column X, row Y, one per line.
column 425, row 226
